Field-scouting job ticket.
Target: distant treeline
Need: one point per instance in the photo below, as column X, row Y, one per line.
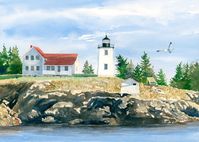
column 10, row 62
column 186, row 76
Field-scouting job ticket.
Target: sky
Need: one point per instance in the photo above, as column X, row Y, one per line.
column 134, row 26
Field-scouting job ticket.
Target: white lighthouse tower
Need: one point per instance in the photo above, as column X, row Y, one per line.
column 106, row 66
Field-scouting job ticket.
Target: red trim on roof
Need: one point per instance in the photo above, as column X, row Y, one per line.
column 56, row 59
column 38, row 50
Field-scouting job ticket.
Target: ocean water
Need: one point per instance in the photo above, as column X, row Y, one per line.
column 56, row 133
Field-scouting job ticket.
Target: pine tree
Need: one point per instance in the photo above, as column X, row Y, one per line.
column 88, row 69
column 147, row 70
column 137, row 73
column 15, row 64
column 4, row 61
column 130, row 68
column 9, row 54
column 1, row 64
column 161, row 78
column 194, row 76
column 176, row 81
column 122, row 67
column 186, row 80
column 91, row 69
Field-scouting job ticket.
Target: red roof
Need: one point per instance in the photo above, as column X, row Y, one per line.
column 56, row 59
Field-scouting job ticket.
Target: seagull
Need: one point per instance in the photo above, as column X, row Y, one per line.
column 169, row 49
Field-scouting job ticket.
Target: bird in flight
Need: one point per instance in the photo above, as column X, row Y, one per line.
column 169, row 49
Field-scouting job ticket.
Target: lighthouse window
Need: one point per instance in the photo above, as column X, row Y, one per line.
column 106, row 52
column 105, row 66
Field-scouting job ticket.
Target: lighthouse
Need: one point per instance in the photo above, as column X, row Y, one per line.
column 106, row 66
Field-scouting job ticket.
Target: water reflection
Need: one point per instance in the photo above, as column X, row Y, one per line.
column 60, row 133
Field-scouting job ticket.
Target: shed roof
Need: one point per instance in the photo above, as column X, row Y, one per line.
column 129, row 81
column 151, row 79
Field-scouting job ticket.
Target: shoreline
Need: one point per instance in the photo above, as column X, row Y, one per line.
column 95, row 101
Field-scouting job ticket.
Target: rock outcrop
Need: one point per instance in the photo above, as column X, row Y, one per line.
column 8, row 117
column 37, row 102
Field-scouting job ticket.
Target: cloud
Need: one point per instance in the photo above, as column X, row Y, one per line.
column 107, row 17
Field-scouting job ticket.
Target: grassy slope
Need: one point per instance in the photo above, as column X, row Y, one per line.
column 167, row 93
column 112, row 85
column 80, row 84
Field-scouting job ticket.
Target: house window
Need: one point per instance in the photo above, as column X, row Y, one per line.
column 105, row 66
column 32, row 68
column 37, row 57
column 32, row 57
column 52, row 68
column 38, row 68
column 27, row 57
column 48, row 68
column 105, row 52
column 59, row 68
column 66, row 68
column 27, row 68
column 134, row 84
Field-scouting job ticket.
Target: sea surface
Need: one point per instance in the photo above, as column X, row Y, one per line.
column 57, row 133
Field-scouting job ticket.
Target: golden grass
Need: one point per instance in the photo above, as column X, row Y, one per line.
column 112, row 85
column 167, row 93
column 81, row 84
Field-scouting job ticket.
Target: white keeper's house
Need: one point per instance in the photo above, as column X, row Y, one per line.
column 38, row 63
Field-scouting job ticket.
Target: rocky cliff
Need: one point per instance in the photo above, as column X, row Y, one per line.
column 93, row 102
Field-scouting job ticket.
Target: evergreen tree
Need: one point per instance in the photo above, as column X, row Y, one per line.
column 194, row 76
column 186, row 80
column 15, row 64
column 4, row 63
column 161, row 78
column 122, row 66
column 130, row 69
column 2, row 69
column 137, row 73
column 88, row 69
column 91, row 69
column 147, row 70
column 176, row 81
column 9, row 54
column 186, row 77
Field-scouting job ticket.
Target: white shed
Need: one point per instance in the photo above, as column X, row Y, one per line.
column 130, row 86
